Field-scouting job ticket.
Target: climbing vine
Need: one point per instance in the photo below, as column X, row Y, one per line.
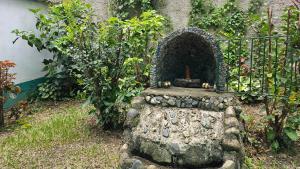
column 125, row 9
column 206, row 16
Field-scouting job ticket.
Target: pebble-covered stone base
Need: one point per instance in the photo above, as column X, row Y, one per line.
column 205, row 103
column 163, row 135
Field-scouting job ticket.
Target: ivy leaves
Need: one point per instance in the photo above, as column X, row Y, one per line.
column 125, row 9
column 228, row 20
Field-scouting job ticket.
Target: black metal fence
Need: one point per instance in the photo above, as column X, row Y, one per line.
column 258, row 66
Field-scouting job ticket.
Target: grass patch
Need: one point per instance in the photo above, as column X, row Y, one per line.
column 58, row 137
column 60, row 128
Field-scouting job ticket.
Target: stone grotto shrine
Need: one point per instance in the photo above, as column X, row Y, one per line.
column 185, row 119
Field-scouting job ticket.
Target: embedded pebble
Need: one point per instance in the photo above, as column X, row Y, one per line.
column 166, row 132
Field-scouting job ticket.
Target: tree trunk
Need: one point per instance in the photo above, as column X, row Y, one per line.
column 1, row 109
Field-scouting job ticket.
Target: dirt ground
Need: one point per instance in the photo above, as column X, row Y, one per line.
column 258, row 155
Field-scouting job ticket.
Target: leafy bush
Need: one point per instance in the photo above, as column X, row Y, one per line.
column 116, row 56
column 280, row 80
column 282, row 107
column 228, row 20
column 109, row 61
column 6, row 85
column 57, row 29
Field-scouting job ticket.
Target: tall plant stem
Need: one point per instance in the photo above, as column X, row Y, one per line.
column 268, row 110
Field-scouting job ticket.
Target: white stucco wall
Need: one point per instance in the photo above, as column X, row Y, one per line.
column 14, row 14
column 178, row 12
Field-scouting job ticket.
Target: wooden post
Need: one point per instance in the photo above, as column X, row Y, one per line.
column 187, row 72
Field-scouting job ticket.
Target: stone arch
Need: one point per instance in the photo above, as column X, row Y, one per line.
column 195, row 48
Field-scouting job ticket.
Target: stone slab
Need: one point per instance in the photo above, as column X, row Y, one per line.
column 180, row 91
column 187, row 137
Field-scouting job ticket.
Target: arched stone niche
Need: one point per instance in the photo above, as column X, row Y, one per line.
column 192, row 47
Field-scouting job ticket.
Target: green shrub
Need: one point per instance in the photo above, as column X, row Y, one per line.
column 280, row 78
column 109, row 61
column 57, row 29
column 115, row 57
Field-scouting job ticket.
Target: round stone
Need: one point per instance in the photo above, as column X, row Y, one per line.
column 166, row 97
column 231, row 143
column 221, row 106
column 124, row 148
column 145, row 130
column 148, row 98
column 221, row 99
column 172, row 114
column 207, row 106
column 171, row 102
column 229, row 164
column 159, row 98
column 137, row 164
column 178, row 103
column 195, row 103
column 201, row 104
column 230, row 112
column 154, row 101
column 238, row 109
column 132, row 113
column 232, row 130
column 182, row 105
column 166, row 132
column 216, row 103
column 231, row 122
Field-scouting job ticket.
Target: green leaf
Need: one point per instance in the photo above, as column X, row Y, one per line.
column 275, row 145
column 269, row 75
column 35, row 10
column 245, row 117
column 291, row 133
column 270, row 135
